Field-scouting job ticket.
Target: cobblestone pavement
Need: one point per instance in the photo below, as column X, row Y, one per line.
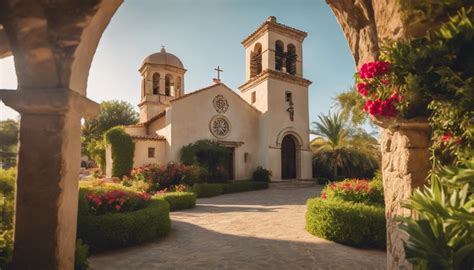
column 249, row 230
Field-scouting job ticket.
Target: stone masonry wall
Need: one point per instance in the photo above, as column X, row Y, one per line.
column 405, row 166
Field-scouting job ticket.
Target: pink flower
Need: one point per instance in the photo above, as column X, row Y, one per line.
column 363, row 88
column 447, row 137
column 374, row 69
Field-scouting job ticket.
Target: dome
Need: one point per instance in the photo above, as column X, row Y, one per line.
column 163, row 58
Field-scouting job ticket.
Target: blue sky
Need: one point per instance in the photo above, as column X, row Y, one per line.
column 204, row 34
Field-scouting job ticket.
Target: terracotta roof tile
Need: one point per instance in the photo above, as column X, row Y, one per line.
column 148, row 137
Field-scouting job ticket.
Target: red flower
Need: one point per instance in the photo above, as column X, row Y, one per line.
column 363, row 88
column 374, row 69
column 118, row 207
column 447, row 137
column 323, row 195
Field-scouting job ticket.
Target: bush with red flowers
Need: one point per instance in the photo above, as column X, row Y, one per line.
column 374, row 85
column 158, row 177
column 354, row 190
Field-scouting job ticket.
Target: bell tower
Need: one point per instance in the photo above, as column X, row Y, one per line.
column 162, row 81
column 275, row 86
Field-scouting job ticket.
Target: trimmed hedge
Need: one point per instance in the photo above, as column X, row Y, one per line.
column 114, row 230
column 354, row 224
column 123, row 149
column 180, row 200
column 210, row 190
column 241, row 186
column 207, row 190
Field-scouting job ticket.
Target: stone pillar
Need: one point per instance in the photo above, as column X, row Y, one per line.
column 48, row 171
column 405, row 166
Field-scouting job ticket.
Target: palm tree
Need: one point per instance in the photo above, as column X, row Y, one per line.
column 343, row 151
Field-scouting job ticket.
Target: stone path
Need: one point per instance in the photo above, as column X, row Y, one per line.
column 249, row 230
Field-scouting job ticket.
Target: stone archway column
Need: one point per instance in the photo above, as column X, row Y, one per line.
column 405, row 166
column 48, row 171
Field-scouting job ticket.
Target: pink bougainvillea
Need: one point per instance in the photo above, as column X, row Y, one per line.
column 373, row 84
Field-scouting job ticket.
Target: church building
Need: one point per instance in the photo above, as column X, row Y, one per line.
column 265, row 123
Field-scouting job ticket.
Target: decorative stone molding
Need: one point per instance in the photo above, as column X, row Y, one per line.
column 219, row 126
column 220, row 104
column 273, row 74
column 405, row 166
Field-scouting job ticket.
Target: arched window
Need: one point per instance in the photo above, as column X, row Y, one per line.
column 156, row 83
column 291, row 59
column 178, row 87
column 256, row 60
column 168, row 84
column 279, row 55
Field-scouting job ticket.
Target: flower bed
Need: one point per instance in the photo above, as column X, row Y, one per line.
column 349, row 212
column 113, row 216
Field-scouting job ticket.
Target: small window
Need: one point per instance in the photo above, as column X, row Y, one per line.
column 254, row 97
column 151, row 152
column 289, row 96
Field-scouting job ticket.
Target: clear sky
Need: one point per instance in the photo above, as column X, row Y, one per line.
column 204, row 34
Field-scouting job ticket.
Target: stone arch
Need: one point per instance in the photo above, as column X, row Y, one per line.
column 178, row 87
column 256, row 60
column 53, row 44
column 289, row 131
column 279, row 55
column 291, row 59
column 156, row 83
column 169, row 85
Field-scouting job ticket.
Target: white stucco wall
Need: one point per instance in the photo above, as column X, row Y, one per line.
column 189, row 121
column 141, row 152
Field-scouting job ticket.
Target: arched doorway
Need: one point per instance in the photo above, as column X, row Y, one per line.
column 288, row 157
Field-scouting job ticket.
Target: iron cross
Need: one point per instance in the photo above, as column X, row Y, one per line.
column 219, row 70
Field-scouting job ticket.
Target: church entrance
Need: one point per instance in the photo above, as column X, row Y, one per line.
column 230, row 163
column 288, row 158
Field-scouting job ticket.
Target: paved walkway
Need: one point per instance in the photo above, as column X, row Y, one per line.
column 249, row 230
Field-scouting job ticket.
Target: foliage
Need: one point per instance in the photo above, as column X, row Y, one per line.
column 209, row 155
column 112, row 113
column 241, row 186
column 179, row 200
column 8, row 134
column 343, row 152
column 351, row 105
column 194, row 174
column 435, row 75
column 354, row 190
column 96, row 151
column 7, row 194
column 210, row 190
column 114, row 230
column 82, row 252
column 207, row 190
column 354, row 224
column 158, row 177
column 122, row 148
column 441, row 234
column 261, row 174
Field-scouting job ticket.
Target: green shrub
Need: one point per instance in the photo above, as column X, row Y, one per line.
column 194, row 174
column 82, row 252
column 207, row 154
column 180, row 200
column 7, row 182
column 241, row 186
column 354, row 190
column 207, row 190
column 122, row 151
column 114, row 230
column 354, row 224
column 261, row 174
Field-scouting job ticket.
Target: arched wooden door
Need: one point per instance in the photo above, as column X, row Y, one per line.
column 288, row 158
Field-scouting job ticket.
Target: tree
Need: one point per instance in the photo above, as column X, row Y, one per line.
column 350, row 104
column 112, row 113
column 341, row 151
column 8, row 134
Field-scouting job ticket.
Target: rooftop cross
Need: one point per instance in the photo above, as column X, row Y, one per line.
column 219, row 70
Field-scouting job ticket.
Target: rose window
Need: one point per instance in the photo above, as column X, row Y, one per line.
column 220, row 127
